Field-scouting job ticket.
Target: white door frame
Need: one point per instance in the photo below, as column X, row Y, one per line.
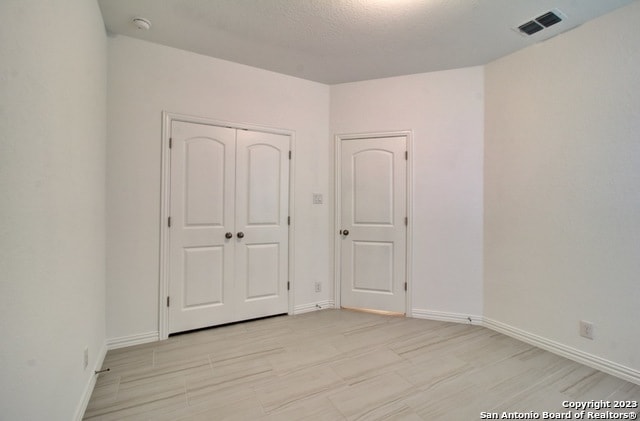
column 408, row 134
column 165, row 206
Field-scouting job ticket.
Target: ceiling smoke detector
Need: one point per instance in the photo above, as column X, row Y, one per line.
column 142, row 23
column 543, row 21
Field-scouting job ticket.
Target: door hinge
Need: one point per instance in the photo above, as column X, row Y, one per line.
column 288, row 220
column 406, row 220
column 288, row 285
column 168, row 301
column 406, row 155
column 169, row 222
column 405, row 286
column 289, row 154
column 170, row 143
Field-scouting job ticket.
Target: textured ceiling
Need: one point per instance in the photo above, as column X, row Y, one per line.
column 335, row 41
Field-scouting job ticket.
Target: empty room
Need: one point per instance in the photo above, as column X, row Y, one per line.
column 319, row 210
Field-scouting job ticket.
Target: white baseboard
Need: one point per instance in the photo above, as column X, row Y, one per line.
column 445, row 316
column 140, row 338
column 576, row 355
column 88, row 390
column 320, row 305
column 573, row 354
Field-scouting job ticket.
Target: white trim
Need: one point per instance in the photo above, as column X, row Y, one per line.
column 165, row 233
column 292, row 225
column 140, row 338
column 165, row 206
column 337, row 194
column 320, row 305
column 409, row 239
column 445, row 316
column 88, row 390
column 573, row 354
column 576, row 355
column 408, row 134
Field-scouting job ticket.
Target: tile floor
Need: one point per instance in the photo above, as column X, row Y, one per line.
column 342, row 365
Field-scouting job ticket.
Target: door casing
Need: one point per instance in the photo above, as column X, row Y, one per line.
column 165, row 206
column 338, row 206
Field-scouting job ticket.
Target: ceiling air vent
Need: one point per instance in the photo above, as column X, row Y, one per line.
column 530, row 27
column 541, row 22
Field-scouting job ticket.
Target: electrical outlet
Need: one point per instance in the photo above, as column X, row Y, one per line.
column 86, row 358
column 317, row 199
column 586, row 329
column 318, row 286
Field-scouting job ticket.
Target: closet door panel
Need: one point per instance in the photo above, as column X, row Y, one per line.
column 201, row 264
column 262, row 203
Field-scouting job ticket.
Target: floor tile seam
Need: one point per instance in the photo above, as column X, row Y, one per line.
column 335, row 408
column 511, row 397
column 364, row 415
column 255, row 396
column 219, row 384
column 526, row 390
column 161, row 375
column 139, row 392
column 403, row 407
column 134, row 405
column 618, row 389
column 498, row 361
column 375, row 376
column 184, row 386
column 199, row 411
column 284, row 373
column 363, row 329
column 349, row 354
column 210, row 366
column 621, row 387
column 476, row 369
column 440, row 343
column 388, row 348
column 288, row 403
column 440, row 380
column 384, row 370
column 362, row 349
column 249, row 356
column 117, row 392
column 245, row 377
column 593, row 372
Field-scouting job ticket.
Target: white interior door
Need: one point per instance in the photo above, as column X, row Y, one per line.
column 202, row 212
column 262, row 203
column 229, row 234
column 372, row 223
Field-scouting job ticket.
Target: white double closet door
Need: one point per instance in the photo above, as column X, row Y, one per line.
column 228, row 230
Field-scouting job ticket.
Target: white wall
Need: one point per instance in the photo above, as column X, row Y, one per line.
column 562, row 188
column 146, row 79
column 52, row 206
column 445, row 112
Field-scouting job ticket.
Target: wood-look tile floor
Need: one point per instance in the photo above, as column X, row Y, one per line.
column 342, row 365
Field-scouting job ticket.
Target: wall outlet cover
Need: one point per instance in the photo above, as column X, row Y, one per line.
column 586, row 329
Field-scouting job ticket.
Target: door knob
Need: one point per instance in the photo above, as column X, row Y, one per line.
column 240, row 234
column 228, row 235
column 345, row 232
